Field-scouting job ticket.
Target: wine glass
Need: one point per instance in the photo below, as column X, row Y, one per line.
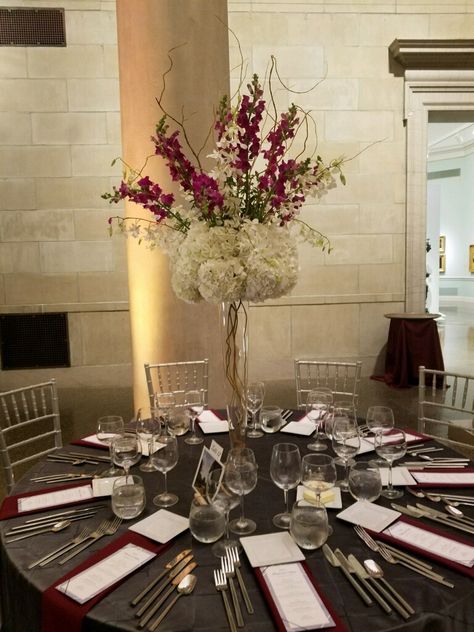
column 254, row 396
column 147, row 424
column 285, row 471
column 164, row 460
column 318, row 474
column 194, row 402
column 165, row 402
column 379, row 420
column 318, row 404
column 241, row 477
column 108, row 428
column 391, row 445
column 219, row 493
column 365, row 482
column 126, row 451
column 345, row 442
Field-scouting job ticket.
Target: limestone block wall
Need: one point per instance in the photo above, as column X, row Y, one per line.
column 59, row 132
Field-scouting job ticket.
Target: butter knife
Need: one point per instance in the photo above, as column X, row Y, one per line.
column 168, row 566
column 336, row 562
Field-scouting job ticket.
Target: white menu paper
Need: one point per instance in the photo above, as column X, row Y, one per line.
column 271, row 548
column 299, row 605
column 50, row 499
column 96, row 578
column 161, row 526
column 368, row 515
column 432, row 542
column 452, row 478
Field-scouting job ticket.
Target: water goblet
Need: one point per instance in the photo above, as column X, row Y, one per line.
column 318, row 474
column 318, row 405
column 365, row 482
column 254, row 397
column 109, row 427
column 309, row 525
column 194, row 402
column 345, row 442
column 391, row 445
column 178, row 421
column 164, row 459
column 379, row 420
column 126, row 451
column 285, row 471
column 219, row 493
column 341, row 405
column 241, row 477
column 128, row 497
column 147, row 424
column 164, row 403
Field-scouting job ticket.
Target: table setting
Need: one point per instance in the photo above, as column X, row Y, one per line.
column 236, row 567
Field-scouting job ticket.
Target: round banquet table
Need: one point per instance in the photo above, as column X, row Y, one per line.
column 438, row 608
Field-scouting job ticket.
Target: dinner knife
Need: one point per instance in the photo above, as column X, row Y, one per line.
column 175, row 571
column 168, row 566
column 445, row 519
column 377, row 591
column 174, row 582
column 43, row 525
column 347, row 567
column 334, row 561
column 457, row 521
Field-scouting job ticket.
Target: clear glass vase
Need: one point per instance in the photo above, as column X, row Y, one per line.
column 234, row 319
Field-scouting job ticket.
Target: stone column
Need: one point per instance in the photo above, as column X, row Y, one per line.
column 165, row 329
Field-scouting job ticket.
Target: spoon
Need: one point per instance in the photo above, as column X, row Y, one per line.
column 59, row 526
column 456, row 503
column 376, row 571
column 185, row 587
column 457, row 513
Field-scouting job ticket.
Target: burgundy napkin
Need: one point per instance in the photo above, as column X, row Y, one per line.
column 89, row 444
column 442, row 471
column 59, row 612
column 465, row 570
column 339, row 626
column 9, row 508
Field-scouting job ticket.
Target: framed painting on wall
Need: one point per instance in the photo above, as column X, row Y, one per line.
column 442, row 244
column 442, row 263
column 471, row 258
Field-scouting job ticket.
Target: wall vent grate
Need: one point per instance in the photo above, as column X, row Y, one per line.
column 34, row 341
column 32, row 27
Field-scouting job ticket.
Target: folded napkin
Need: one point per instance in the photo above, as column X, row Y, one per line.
column 10, row 508
column 336, row 624
column 91, row 441
column 211, row 422
column 59, row 612
column 303, row 426
column 461, row 568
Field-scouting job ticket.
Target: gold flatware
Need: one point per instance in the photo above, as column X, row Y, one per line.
column 185, row 587
column 108, row 527
column 375, row 571
column 46, row 559
column 364, row 577
column 220, row 582
column 168, row 566
column 233, row 553
column 338, row 562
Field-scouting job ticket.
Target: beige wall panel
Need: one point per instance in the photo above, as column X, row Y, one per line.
column 93, row 95
column 100, row 343
column 2, row 290
column 71, row 61
column 33, row 95
column 354, row 249
column 302, row 61
column 17, row 194
column 41, row 289
column 325, row 331
column 73, row 192
column 317, row 280
column 91, row 27
column 269, row 342
column 327, row 30
column 361, row 187
column 114, row 136
column 76, row 256
column 332, row 218
column 331, row 94
column 29, row 162
column 382, row 29
column 380, row 94
column 382, row 218
column 387, row 156
column 110, row 61
column 99, row 286
column 15, row 128
column 96, row 160
column 13, row 62
column 352, row 61
column 69, row 128
column 27, row 226
column 19, row 258
column 382, row 278
column 91, row 225
column 359, row 126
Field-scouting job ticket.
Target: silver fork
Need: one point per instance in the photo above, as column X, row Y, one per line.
column 233, row 552
column 46, row 559
column 220, row 581
column 228, row 569
column 108, row 527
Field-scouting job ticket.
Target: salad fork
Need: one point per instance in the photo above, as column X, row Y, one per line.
column 46, row 559
column 233, row 552
column 228, row 569
column 220, row 582
column 108, row 527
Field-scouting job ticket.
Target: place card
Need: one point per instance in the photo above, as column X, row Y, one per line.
column 210, row 423
column 368, row 515
column 304, row 427
column 331, row 498
column 161, row 526
column 51, row 499
column 433, row 543
column 444, row 478
column 100, row 576
column 271, row 548
column 400, row 476
column 296, row 600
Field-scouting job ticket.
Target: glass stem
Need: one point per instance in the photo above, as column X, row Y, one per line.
column 150, row 449
column 227, row 534
column 166, row 483
column 242, row 519
column 346, row 473
column 285, row 492
column 389, row 486
column 192, row 425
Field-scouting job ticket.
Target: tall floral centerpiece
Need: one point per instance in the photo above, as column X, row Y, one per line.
column 232, row 237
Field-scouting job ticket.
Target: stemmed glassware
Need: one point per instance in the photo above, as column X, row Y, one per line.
column 318, row 474
column 219, row 493
column 379, row 420
column 165, row 460
column 285, row 471
column 318, row 406
column 194, row 402
column 126, row 451
column 345, row 442
column 147, row 424
column 364, row 481
column 164, row 403
column 254, row 395
column 108, row 428
column 241, row 478
column 391, row 445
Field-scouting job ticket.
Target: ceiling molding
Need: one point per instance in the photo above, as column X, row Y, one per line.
column 429, row 54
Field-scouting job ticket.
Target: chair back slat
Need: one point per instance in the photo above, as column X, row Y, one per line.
column 343, row 378
column 177, row 378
